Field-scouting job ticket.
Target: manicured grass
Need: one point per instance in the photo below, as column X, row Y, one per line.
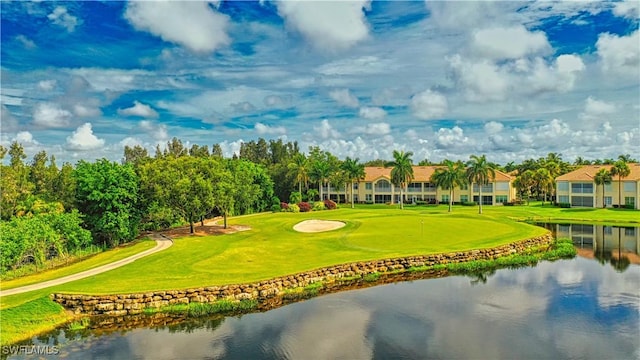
column 29, row 319
column 90, row 262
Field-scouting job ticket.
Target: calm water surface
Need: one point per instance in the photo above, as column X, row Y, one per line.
column 569, row 309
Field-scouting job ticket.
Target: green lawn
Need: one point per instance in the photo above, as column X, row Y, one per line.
column 272, row 248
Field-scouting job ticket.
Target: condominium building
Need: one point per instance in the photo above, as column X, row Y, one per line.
column 376, row 187
column 579, row 189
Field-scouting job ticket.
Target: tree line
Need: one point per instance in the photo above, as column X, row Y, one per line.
column 48, row 211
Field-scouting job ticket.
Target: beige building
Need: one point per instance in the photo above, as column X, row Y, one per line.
column 579, row 189
column 376, row 187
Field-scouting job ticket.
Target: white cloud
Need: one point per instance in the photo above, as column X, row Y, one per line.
column 361, row 65
column 130, row 141
column 83, row 139
column 372, row 113
column 192, row 24
column 26, row 42
column 479, row 81
column 25, row 137
column 157, row 131
column 7, row 121
column 493, row 127
column 62, row 18
column 276, row 101
column 328, row 25
column 454, row 137
column 325, row 130
column 597, row 111
column 509, row 42
column 344, row 97
column 86, row 111
column 629, row 9
column 243, row 107
column 560, row 77
column 377, row 129
column 429, row 105
column 47, row 85
column 51, row 115
column 139, row 109
column 620, row 55
column 263, row 129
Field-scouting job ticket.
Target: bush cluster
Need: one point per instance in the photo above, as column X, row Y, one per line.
column 304, row 206
column 318, row 206
column 284, row 206
column 564, row 205
column 330, row 204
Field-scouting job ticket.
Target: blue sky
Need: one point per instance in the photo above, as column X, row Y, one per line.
column 512, row 80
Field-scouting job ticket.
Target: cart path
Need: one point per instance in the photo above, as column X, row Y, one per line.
column 162, row 242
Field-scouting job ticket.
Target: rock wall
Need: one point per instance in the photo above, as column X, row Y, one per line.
column 264, row 291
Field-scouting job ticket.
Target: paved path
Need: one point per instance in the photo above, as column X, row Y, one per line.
column 162, row 242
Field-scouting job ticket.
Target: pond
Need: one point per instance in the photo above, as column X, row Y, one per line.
column 583, row 308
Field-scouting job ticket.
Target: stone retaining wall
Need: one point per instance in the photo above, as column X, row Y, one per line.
column 129, row 304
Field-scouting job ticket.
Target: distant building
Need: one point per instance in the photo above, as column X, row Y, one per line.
column 376, row 187
column 579, row 189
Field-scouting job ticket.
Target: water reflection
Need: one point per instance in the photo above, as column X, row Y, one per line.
column 565, row 309
column 616, row 245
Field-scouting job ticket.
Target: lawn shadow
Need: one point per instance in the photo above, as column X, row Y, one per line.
column 578, row 210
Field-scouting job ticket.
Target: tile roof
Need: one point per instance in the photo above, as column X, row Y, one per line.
column 420, row 173
column 587, row 173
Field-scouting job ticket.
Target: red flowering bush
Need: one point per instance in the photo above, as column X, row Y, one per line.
column 330, row 204
column 284, row 206
column 304, row 206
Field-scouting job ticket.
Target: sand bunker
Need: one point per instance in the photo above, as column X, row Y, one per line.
column 312, row 226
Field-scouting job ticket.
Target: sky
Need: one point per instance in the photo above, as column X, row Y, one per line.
column 512, row 80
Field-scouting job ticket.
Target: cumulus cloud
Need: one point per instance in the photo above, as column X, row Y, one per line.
column 155, row 130
column 192, row 24
column 25, row 137
column 26, row 42
column 454, row 137
column 325, row 130
column 429, row 105
column 328, row 25
column 560, row 77
column 509, row 42
column 139, row 109
column 47, row 85
column 629, row 9
column 7, row 121
column 83, row 139
column 493, row 127
column 263, row 129
column 344, row 97
column 372, row 113
column 377, row 129
column 62, row 18
column 243, row 107
column 480, row 81
column 51, row 115
column 596, row 110
column 620, row 55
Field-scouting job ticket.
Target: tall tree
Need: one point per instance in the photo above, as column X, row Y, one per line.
column 299, row 166
column 107, row 195
column 134, row 155
column 354, row 171
column 620, row 169
column 320, row 172
column 402, row 171
column 544, row 182
column 602, row 177
column 524, row 182
column 216, row 151
column 479, row 171
column 448, row 177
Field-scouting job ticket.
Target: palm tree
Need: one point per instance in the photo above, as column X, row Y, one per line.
column 402, row 171
column 479, row 171
column 299, row 165
column 524, row 183
column 544, row 182
column 620, row 169
column 448, row 177
column 320, row 172
column 603, row 176
column 354, row 171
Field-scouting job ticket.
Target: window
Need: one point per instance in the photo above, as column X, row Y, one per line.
column 564, row 199
column 464, row 198
column 501, row 199
column 414, row 187
column 355, row 197
column 630, row 200
column 429, row 187
column 629, row 231
column 584, row 201
column 583, row 188
column 486, row 200
column 608, row 230
column 430, row 199
column 367, row 186
column 607, row 200
column 502, row 186
column 368, row 197
column 464, row 186
column 445, row 198
column 629, row 186
column 383, row 185
column 608, row 187
column 487, row 188
column 563, row 186
column 355, row 186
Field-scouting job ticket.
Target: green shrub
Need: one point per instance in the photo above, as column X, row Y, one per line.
column 295, row 197
column 276, row 208
column 294, row 208
column 318, row 206
column 564, row 205
column 469, row 203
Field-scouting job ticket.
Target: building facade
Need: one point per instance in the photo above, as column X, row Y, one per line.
column 376, row 187
column 579, row 189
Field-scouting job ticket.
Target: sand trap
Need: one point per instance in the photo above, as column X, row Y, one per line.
column 312, row 226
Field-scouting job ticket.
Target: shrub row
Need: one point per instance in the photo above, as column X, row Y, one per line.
column 304, row 206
